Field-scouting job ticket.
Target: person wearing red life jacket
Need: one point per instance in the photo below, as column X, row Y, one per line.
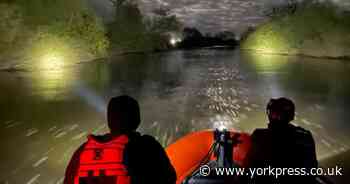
column 122, row 156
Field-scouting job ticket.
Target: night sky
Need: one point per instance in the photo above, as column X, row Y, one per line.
column 209, row 15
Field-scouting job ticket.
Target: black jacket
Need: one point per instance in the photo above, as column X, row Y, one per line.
column 147, row 161
column 285, row 147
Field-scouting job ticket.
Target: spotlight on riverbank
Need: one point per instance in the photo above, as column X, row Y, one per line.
column 51, row 61
column 266, row 62
column 48, row 58
column 50, row 52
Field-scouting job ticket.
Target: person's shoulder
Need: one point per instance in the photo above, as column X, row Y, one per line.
column 260, row 132
column 148, row 139
column 260, row 135
column 99, row 138
column 303, row 136
column 149, row 146
column 301, row 131
column 144, row 140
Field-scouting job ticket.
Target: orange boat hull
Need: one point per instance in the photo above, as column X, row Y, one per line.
column 187, row 153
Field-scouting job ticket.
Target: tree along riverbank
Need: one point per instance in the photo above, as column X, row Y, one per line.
column 307, row 29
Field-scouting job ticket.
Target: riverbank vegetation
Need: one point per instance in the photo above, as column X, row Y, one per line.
column 131, row 31
column 29, row 29
column 193, row 38
column 70, row 31
column 308, row 28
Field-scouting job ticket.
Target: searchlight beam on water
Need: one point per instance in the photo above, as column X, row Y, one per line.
column 91, row 98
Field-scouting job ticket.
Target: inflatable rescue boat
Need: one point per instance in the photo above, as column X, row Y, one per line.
column 221, row 148
column 212, row 149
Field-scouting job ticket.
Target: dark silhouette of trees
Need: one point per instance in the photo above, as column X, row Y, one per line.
column 131, row 31
column 246, row 33
column 192, row 38
column 162, row 21
column 127, row 31
column 286, row 9
column 117, row 3
column 226, row 35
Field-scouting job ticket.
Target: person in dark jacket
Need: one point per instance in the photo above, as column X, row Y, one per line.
column 144, row 159
column 282, row 145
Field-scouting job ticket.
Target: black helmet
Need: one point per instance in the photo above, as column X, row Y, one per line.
column 280, row 110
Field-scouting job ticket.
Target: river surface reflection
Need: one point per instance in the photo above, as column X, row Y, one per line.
column 47, row 113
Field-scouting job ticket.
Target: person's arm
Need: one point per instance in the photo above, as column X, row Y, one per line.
column 312, row 158
column 73, row 165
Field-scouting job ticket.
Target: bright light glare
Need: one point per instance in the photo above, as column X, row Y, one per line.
column 267, row 62
column 222, row 127
column 50, row 56
column 51, row 78
column 51, row 61
column 173, row 41
column 221, row 122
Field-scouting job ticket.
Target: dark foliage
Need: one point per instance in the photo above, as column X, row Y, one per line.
column 192, row 38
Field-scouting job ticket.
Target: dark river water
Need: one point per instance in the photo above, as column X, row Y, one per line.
column 46, row 114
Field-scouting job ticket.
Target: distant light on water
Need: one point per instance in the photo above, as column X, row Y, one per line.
column 267, row 63
column 172, row 41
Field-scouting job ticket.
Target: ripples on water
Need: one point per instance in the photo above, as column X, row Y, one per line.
column 47, row 114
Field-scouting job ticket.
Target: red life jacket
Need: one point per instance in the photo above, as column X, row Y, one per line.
column 102, row 163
